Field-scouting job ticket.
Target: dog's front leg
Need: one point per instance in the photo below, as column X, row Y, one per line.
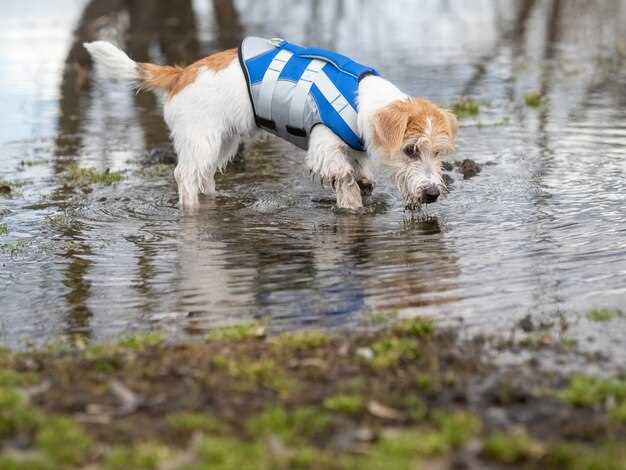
column 348, row 193
column 330, row 160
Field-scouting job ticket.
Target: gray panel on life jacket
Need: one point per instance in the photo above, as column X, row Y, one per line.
column 253, row 46
column 284, row 104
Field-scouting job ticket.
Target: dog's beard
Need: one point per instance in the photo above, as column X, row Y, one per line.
column 411, row 181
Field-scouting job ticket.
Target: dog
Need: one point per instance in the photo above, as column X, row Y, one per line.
column 344, row 114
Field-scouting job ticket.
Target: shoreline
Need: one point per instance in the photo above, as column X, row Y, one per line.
column 410, row 395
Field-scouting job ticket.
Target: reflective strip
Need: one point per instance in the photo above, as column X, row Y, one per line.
column 337, row 101
column 270, row 79
column 301, row 93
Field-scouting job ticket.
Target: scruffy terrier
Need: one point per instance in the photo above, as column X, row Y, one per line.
column 341, row 112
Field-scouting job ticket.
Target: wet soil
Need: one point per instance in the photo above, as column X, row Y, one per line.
column 539, row 90
column 406, row 396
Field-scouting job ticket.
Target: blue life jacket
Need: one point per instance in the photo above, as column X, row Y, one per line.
column 293, row 88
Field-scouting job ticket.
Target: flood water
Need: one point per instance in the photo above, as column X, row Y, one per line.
column 540, row 231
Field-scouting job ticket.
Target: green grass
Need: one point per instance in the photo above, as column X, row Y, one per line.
column 141, row 341
column 250, row 374
column 603, row 315
column 63, row 441
column 194, row 422
column 609, row 456
column 4, row 229
column 418, row 326
column 143, row 456
column 16, row 413
column 290, row 425
column 591, row 392
column 12, row 378
column 391, row 351
column 465, row 107
column 514, row 447
column 236, row 332
column 82, row 176
column 533, row 99
column 343, row 403
column 158, row 170
column 300, row 341
column 452, row 430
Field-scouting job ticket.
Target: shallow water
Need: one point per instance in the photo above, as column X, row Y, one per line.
column 541, row 230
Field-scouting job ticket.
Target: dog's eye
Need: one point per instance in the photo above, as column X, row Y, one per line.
column 412, row 151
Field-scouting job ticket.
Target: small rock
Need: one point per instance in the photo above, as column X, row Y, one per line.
column 5, row 189
column 163, row 153
column 365, row 353
column 383, row 411
column 364, row 434
column 469, row 168
column 526, row 324
column 447, row 166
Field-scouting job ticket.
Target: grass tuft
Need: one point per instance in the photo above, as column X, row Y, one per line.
column 141, row 341
column 603, row 315
column 300, row 341
column 4, row 229
column 17, row 416
column 82, row 176
column 194, row 422
column 591, row 392
column 418, row 326
column 466, row 107
column 389, row 352
column 144, row 456
column 290, row 425
column 236, row 332
column 515, row 447
column 63, row 441
column 8, row 188
column 348, row 404
column 533, row 99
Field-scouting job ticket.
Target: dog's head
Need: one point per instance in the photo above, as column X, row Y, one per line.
column 412, row 137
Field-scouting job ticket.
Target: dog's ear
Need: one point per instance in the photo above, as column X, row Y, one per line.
column 390, row 126
column 453, row 123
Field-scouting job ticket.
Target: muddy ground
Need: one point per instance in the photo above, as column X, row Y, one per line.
column 404, row 396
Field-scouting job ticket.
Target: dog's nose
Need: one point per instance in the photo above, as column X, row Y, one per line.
column 430, row 194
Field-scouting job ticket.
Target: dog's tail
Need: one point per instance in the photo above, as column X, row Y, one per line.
column 144, row 76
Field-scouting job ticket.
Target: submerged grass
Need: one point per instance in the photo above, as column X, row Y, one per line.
column 306, row 400
column 4, row 229
column 8, row 188
column 534, row 99
column 83, row 176
column 603, row 315
column 466, row 107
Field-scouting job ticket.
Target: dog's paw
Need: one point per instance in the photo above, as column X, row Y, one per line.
column 366, row 186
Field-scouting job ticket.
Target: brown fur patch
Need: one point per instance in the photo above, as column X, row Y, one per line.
column 175, row 79
column 408, row 120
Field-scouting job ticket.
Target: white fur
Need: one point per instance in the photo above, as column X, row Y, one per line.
column 374, row 94
column 116, row 64
column 209, row 117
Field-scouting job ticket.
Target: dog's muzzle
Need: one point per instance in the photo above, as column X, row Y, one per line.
column 430, row 194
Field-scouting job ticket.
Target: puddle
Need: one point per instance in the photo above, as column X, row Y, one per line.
column 540, row 231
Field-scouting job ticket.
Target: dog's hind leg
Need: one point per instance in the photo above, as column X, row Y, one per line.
column 228, row 150
column 330, row 159
column 198, row 160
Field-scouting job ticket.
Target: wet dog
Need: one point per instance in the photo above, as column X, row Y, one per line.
column 209, row 109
